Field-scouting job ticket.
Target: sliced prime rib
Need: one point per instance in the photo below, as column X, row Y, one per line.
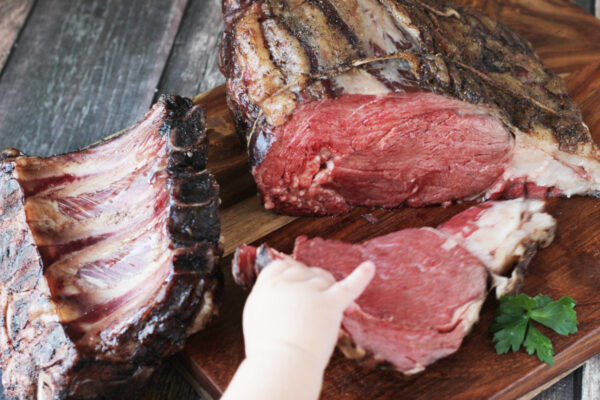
column 107, row 257
column 429, row 283
column 349, row 103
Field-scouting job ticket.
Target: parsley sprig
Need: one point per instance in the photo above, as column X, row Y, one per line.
column 514, row 325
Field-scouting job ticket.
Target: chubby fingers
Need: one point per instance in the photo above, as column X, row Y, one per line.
column 278, row 267
column 290, row 270
column 349, row 289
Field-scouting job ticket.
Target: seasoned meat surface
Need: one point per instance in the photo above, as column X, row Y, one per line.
column 290, row 64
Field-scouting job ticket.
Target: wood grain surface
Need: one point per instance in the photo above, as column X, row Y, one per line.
column 192, row 66
column 587, row 5
column 570, row 266
column 13, row 14
column 84, row 69
column 591, row 379
column 569, row 387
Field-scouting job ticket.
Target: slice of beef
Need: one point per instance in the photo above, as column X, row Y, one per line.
column 429, row 284
column 107, row 257
column 348, row 103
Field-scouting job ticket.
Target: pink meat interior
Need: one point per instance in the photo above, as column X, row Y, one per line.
column 99, row 219
column 412, row 313
column 420, row 148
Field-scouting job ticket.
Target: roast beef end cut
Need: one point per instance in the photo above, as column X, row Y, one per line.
column 346, row 103
column 108, row 257
column 504, row 236
column 429, row 284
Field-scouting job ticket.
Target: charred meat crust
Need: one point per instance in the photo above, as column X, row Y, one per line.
column 249, row 261
column 446, row 49
column 506, row 286
column 40, row 353
column 354, row 352
column 350, row 350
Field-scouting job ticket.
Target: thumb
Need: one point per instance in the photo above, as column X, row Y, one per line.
column 349, row 289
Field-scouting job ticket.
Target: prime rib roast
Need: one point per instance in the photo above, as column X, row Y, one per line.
column 429, row 284
column 347, row 103
column 107, row 257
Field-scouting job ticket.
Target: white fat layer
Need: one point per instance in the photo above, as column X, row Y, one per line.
column 374, row 25
column 503, row 228
column 312, row 178
column 389, row 70
column 83, row 166
column 415, row 370
column 378, row 26
column 468, row 315
column 103, row 284
column 48, row 219
column 358, row 81
column 542, row 163
column 505, row 285
column 449, row 244
column 402, row 19
column 203, row 317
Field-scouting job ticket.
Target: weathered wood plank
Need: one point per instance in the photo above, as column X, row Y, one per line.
column 568, row 388
column 81, row 71
column 591, row 379
column 13, row 14
column 192, row 67
column 84, row 70
column 587, row 5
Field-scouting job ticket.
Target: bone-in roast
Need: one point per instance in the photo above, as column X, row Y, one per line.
column 349, row 103
column 107, row 257
column 429, row 283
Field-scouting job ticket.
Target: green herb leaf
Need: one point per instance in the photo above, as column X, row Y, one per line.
column 515, row 305
column 558, row 315
column 540, row 344
column 511, row 335
column 514, row 323
column 541, row 301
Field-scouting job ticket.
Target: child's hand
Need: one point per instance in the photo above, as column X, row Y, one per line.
column 297, row 310
column 291, row 323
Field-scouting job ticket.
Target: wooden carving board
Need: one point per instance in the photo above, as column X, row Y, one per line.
column 568, row 40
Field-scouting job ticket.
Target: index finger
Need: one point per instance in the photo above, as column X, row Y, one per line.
column 354, row 284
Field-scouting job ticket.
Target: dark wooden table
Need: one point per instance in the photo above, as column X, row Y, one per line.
column 73, row 72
